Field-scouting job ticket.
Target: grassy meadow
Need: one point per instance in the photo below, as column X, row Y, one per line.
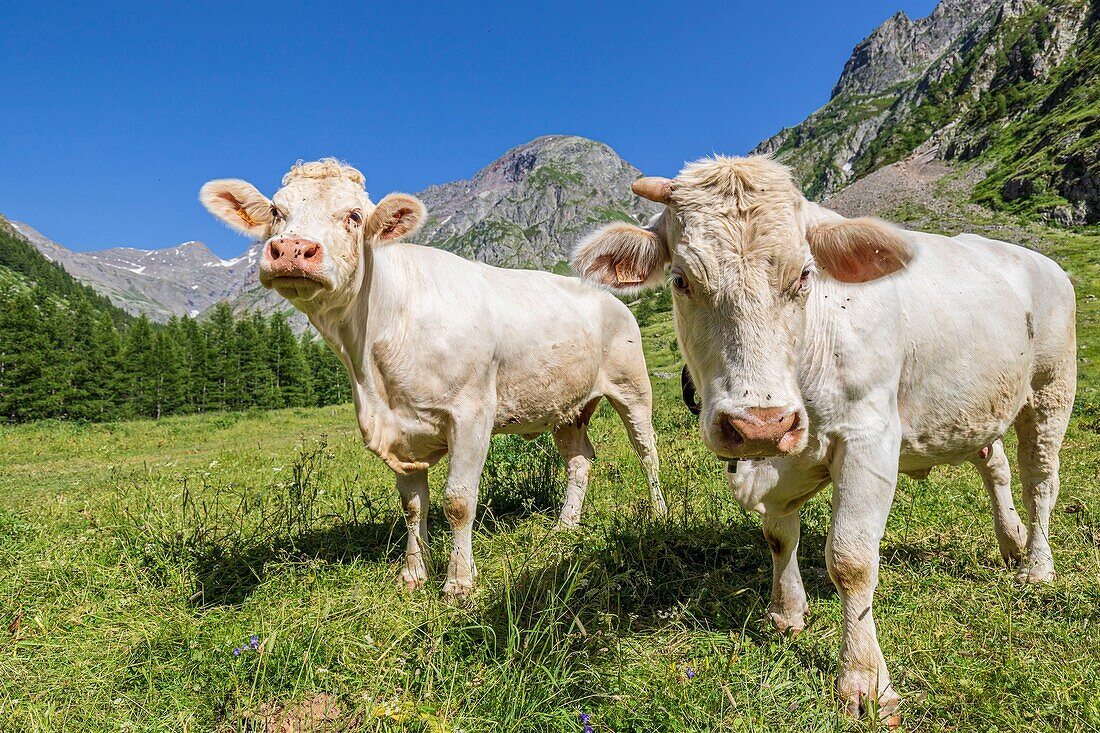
column 136, row 557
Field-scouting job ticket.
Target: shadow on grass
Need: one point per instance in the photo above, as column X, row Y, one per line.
column 639, row 574
column 226, row 574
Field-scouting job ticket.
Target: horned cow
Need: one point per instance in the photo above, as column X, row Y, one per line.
column 847, row 350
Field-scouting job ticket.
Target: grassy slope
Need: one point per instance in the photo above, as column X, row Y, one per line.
column 134, row 569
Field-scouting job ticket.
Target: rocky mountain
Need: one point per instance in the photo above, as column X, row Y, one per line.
column 182, row 280
column 528, row 207
column 1010, row 87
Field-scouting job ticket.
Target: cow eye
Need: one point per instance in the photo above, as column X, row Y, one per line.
column 680, row 283
column 276, row 214
column 804, row 278
column 355, row 217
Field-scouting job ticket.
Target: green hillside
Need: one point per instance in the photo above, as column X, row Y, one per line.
column 26, row 264
column 1016, row 97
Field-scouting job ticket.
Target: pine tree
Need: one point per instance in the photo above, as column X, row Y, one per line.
column 255, row 383
column 94, row 346
column 331, row 382
column 169, row 376
column 221, row 364
column 140, row 369
column 292, row 377
column 195, row 365
column 28, row 374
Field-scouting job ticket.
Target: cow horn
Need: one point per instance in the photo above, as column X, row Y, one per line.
column 653, row 188
column 688, row 388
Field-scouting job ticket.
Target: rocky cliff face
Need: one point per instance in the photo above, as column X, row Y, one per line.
column 1010, row 85
column 900, row 49
column 529, row 207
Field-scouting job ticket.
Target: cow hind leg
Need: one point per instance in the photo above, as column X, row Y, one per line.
column 992, row 464
column 636, row 413
column 576, row 450
column 1040, row 428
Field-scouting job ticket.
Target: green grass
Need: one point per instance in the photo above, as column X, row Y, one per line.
column 136, row 556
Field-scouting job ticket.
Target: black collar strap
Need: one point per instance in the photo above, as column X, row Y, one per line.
column 687, row 387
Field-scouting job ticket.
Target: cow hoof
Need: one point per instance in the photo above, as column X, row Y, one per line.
column 853, row 689
column 1034, row 575
column 1013, row 557
column 413, row 579
column 455, row 591
column 786, row 623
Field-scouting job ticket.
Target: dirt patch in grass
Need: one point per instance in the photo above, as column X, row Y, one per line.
column 317, row 713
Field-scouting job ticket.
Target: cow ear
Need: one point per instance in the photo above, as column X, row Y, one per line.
column 858, row 250
column 622, row 257
column 239, row 206
column 397, row 215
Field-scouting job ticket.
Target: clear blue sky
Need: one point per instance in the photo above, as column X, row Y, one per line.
column 114, row 117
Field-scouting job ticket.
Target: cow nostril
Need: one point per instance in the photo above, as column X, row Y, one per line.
column 273, row 251
column 735, row 435
column 312, row 251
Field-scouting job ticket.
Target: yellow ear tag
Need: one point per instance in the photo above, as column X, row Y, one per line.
column 625, row 275
column 246, row 218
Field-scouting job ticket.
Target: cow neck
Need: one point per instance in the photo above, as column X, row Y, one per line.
column 353, row 331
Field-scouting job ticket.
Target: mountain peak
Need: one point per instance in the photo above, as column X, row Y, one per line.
column 900, row 49
column 529, row 206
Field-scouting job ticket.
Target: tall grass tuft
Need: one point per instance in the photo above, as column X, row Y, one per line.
column 220, row 537
column 522, row 477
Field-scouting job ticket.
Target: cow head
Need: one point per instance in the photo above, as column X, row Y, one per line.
column 743, row 247
column 317, row 229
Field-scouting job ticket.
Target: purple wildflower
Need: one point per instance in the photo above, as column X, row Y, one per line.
column 236, row 651
column 589, row 729
column 690, row 673
column 585, row 717
column 254, row 642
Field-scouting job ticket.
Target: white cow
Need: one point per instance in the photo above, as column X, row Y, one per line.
column 443, row 352
column 851, row 350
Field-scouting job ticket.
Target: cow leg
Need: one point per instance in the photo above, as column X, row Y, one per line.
column 414, row 498
column 1040, row 427
column 997, row 477
column 576, row 450
column 468, row 447
column 788, row 607
column 637, row 415
column 865, row 473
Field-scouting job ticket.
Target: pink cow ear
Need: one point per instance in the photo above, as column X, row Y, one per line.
column 859, row 250
column 238, row 205
column 622, row 257
column 397, row 215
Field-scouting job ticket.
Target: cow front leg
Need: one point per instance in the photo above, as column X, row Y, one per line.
column 788, row 607
column 413, row 488
column 469, row 445
column 865, row 477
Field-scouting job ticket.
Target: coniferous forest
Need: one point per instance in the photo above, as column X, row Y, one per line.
column 63, row 358
column 67, row 353
column 68, row 360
